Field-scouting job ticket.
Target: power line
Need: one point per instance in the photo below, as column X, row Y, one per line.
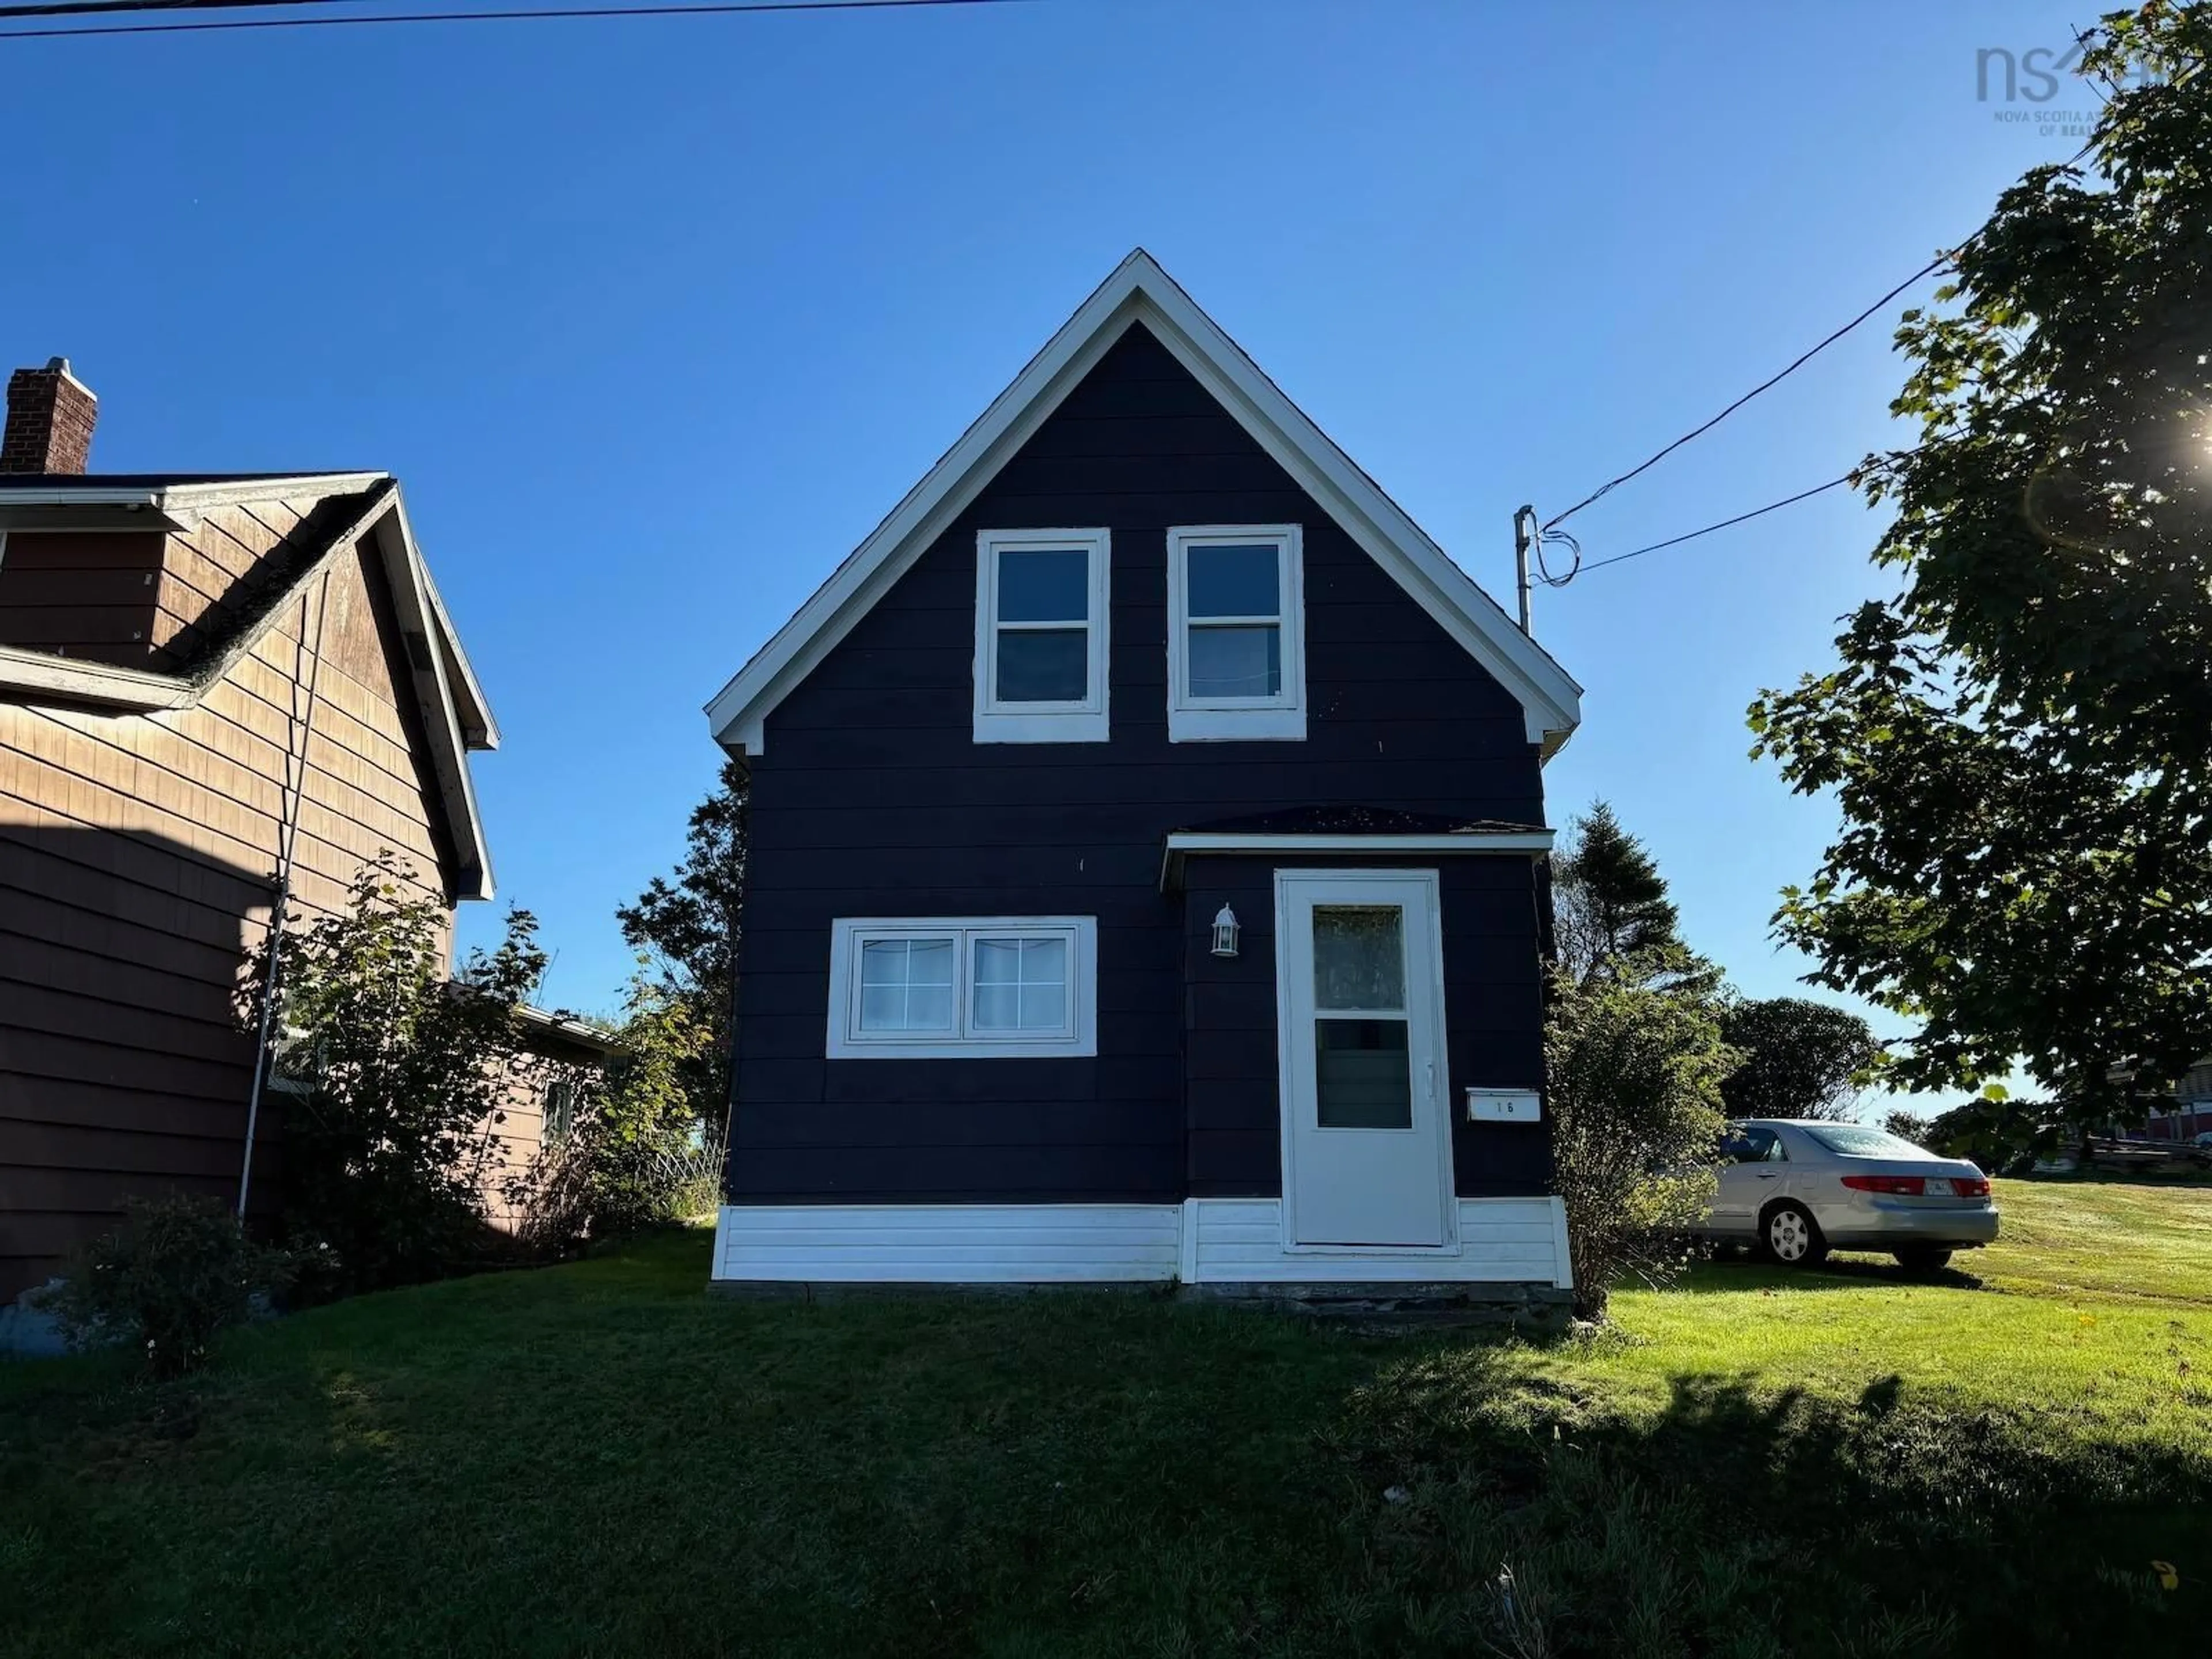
column 82, row 8
column 1725, row 523
column 730, row 7
column 1932, row 266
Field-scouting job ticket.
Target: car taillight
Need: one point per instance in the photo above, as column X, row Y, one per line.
column 1896, row 1186
column 1916, row 1186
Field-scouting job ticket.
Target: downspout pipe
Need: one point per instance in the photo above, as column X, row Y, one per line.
column 287, row 842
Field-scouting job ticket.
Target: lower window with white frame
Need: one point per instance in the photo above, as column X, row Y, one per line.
column 978, row 987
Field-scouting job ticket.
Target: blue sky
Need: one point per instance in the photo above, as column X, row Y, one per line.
column 654, row 319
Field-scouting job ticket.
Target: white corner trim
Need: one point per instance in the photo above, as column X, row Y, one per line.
column 1139, row 290
column 1278, row 718
column 1563, row 1276
column 1087, row 719
column 1180, row 843
column 1077, row 1039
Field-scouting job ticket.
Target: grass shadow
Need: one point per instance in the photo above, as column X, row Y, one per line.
column 1744, row 1271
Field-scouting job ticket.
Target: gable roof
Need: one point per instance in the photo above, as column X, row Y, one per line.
column 1140, row 291
column 365, row 509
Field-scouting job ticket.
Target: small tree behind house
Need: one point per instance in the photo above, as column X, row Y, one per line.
column 1610, row 909
column 1801, row 1058
column 689, row 922
column 400, row 1076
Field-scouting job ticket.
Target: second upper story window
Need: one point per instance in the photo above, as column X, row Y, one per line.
column 1041, row 636
column 1236, row 633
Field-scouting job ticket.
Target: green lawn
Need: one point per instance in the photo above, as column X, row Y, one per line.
column 599, row 1459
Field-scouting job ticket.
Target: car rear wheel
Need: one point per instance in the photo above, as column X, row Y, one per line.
column 1791, row 1237
column 1924, row 1259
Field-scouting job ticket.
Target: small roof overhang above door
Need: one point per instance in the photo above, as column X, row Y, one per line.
column 1355, row 829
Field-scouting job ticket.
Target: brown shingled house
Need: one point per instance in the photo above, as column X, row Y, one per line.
column 207, row 683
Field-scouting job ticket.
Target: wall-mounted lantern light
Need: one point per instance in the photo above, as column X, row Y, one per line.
column 1224, row 933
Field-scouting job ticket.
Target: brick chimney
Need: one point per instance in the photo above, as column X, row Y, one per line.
column 50, row 417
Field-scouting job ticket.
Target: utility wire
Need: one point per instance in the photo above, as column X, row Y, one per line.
column 730, row 7
column 1932, row 266
column 1725, row 523
column 83, row 8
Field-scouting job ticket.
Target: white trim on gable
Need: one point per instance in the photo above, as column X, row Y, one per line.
column 1140, row 291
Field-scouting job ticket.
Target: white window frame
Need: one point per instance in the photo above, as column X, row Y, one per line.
column 1077, row 1038
column 1082, row 721
column 1279, row 718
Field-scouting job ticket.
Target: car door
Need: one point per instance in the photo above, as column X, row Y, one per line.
column 1754, row 1169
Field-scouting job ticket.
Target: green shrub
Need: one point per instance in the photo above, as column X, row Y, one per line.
column 403, row 1071
column 1634, row 1087
column 179, row 1273
column 636, row 1155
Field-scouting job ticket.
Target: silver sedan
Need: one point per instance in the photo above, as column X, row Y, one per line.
column 1796, row 1190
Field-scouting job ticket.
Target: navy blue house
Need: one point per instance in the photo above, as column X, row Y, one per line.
column 1144, row 884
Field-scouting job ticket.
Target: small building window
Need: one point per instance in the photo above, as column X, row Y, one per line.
column 560, row 1107
column 983, row 988
column 1041, row 605
column 1236, row 633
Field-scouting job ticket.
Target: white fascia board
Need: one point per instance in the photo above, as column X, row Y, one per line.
column 199, row 497
column 1139, row 290
column 474, row 709
column 410, row 582
column 1525, row 843
column 1550, row 698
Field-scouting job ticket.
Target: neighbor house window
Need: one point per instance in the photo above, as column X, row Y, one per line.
column 1236, row 633
column 995, row 986
column 560, row 1109
column 1040, row 615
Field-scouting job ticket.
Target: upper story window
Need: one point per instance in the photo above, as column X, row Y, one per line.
column 1041, row 615
column 1236, row 633
column 949, row 987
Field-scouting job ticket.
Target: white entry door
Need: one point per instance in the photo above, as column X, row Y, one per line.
column 1360, row 992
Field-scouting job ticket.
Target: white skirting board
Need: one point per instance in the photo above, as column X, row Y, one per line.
column 1203, row 1240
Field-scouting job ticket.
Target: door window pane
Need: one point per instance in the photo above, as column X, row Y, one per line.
column 1359, row 957
column 906, row 985
column 1362, row 1074
column 1236, row 662
column 1044, row 664
column 1021, row 985
column 1234, row 582
column 1044, row 585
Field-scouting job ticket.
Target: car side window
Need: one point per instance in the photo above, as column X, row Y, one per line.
column 1755, row 1146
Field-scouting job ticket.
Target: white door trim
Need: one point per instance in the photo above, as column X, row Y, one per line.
column 1448, row 1207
